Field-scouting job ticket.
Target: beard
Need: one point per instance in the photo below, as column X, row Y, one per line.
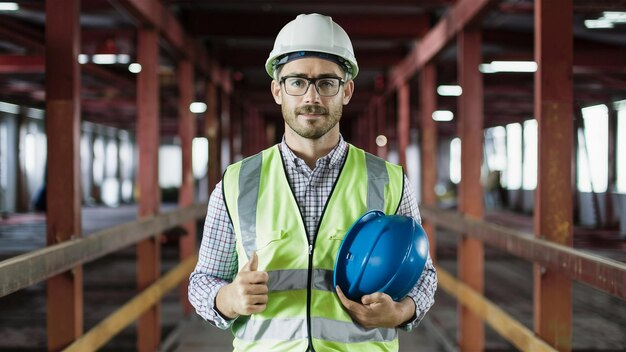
column 312, row 129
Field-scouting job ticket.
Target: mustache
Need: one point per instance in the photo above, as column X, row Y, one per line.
column 312, row 109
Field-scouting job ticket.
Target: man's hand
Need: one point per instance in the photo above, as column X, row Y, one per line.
column 378, row 310
column 247, row 294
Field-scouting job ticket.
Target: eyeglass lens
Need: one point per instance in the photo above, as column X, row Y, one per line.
column 325, row 87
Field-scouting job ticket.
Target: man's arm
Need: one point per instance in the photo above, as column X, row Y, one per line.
column 217, row 261
column 423, row 293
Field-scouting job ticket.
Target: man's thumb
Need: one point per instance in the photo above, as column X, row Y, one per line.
column 252, row 264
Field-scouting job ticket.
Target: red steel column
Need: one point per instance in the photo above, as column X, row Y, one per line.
column 428, row 99
column 470, row 125
column 186, row 132
column 212, row 133
column 148, row 127
column 236, row 111
column 553, row 198
column 64, row 291
column 371, row 123
column 381, row 122
column 612, row 173
column 359, row 126
column 225, row 128
column 404, row 109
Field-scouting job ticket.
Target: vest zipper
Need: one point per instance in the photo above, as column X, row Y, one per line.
column 308, row 296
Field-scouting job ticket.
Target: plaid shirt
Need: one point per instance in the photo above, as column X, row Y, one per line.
column 217, row 260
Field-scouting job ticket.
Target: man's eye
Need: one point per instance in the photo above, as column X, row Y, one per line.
column 326, row 83
column 296, row 82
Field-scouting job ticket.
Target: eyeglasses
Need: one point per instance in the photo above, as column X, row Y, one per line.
column 325, row 87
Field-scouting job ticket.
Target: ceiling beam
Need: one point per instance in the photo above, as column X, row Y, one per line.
column 246, row 25
column 15, row 64
column 463, row 14
column 154, row 14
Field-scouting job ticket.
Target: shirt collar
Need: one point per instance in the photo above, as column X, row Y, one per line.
column 334, row 159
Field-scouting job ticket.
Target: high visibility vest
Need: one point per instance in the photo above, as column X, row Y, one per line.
column 303, row 311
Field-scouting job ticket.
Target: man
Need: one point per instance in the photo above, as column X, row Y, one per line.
column 275, row 223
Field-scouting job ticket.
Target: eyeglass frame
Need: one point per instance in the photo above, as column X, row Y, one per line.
column 314, row 82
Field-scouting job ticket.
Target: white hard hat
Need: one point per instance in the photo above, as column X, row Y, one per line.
column 313, row 33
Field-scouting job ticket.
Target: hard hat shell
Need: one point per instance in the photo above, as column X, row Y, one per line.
column 381, row 253
column 312, row 33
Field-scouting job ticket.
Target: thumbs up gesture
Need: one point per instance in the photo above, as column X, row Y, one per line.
column 247, row 294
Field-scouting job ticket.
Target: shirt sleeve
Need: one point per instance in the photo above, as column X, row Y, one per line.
column 423, row 293
column 217, row 261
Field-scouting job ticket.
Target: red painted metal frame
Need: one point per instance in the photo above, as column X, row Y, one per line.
column 64, row 291
column 428, row 100
column 371, row 123
column 212, row 132
column 153, row 14
column 207, row 23
column 15, row 64
column 148, row 251
column 470, row 127
column 225, row 123
column 186, row 132
column 455, row 20
column 604, row 274
column 553, row 197
column 381, row 125
column 404, row 108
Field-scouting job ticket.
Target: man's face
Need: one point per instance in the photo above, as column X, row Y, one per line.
column 310, row 115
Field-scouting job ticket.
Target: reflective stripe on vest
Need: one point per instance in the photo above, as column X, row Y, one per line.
column 323, row 329
column 266, row 219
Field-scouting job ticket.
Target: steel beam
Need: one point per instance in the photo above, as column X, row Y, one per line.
column 404, row 118
column 612, row 166
column 63, row 194
column 30, row 268
column 553, row 197
column 225, row 123
column 371, row 123
column 186, row 132
column 212, row 128
column 149, row 250
column 243, row 24
column 428, row 101
column 470, row 129
column 15, row 64
column 455, row 20
column 153, row 14
column 381, row 126
column 601, row 273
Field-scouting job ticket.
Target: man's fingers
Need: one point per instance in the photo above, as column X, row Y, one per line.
column 253, row 277
column 375, row 297
column 257, row 308
column 255, row 289
column 252, row 264
column 252, row 300
column 349, row 304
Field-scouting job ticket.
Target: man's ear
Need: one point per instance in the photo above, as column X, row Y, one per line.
column 348, row 90
column 276, row 92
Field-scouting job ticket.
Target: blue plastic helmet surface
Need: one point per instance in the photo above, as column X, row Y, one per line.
column 381, row 253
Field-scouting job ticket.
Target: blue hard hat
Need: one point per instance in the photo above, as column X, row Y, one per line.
column 381, row 253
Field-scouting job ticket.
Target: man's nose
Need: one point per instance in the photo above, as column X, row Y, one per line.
column 311, row 94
